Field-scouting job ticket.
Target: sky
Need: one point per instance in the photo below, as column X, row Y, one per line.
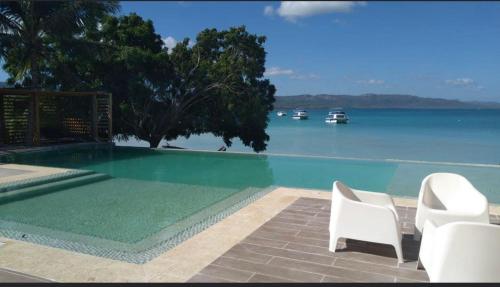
column 430, row 49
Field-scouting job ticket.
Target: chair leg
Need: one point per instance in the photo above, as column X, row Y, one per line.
column 419, row 264
column 417, row 235
column 333, row 243
column 399, row 252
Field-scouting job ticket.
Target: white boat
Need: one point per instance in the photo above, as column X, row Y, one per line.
column 336, row 117
column 281, row 114
column 300, row 115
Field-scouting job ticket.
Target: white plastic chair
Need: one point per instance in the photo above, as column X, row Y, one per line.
column 461, row 252
column 448, row 197
column 363, row 215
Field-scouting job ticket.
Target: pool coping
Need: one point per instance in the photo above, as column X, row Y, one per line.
column 178, row 264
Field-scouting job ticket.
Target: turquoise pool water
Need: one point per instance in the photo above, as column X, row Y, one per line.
column 141, row 197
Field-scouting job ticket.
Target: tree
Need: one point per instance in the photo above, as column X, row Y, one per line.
column 30, row 31
column 214, row 86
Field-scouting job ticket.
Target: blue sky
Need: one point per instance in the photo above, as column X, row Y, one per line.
column 430, row 49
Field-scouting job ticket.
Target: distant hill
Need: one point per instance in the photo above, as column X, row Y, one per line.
column 3, row 84
column 376, row 101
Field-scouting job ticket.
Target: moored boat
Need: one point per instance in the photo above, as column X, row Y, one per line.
column 300, row 115
column 336, row 117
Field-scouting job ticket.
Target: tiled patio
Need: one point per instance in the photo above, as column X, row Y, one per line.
column 293, row 246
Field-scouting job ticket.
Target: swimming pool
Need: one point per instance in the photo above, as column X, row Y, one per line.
column 136, row 202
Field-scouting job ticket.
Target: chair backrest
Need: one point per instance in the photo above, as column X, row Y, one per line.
column 449, row 191
column 340, row 189
column 470, row 252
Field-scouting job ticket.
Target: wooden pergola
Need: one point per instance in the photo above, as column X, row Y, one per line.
column 22, row 108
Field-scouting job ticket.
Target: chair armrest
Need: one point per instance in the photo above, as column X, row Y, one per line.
column 377, row 198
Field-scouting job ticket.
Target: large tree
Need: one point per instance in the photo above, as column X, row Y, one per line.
column 30, row 31
column 214, row 86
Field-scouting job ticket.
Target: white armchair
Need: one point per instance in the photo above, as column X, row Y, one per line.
column 461, row 252
column 363, row 215
column 448, row 197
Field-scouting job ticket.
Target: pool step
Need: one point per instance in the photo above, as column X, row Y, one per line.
column 49, row 187
column 43, row 180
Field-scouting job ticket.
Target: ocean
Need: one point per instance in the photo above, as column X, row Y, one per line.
column 456, row 136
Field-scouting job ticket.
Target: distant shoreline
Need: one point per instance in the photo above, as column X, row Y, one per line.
column 378, row 101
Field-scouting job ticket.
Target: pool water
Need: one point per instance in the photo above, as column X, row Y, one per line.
column 145, row 197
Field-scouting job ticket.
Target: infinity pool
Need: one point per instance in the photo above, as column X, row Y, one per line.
column 137, row 201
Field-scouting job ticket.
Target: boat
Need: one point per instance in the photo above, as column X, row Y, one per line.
column 300, row 115
column 336, row 117
column 281, row 114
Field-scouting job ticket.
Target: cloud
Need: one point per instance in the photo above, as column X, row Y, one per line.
column 371, row 82
column 269, row 11
column 464, row 83
column 292, row 10
column 170, row 43
column 461, row 82
column 277, row 71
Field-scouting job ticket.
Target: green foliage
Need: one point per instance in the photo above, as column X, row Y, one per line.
column 214, row 86
column 31, row 33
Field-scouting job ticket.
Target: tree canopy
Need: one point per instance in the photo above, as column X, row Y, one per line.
column 31, row 32
column 215, row 85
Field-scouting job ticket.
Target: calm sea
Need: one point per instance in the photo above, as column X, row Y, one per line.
column 461, row 136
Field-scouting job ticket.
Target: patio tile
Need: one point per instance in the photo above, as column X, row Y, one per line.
column 260, row 278
column 227, row 273
column 356, row 275
column 202, row 278
column 272, row 270
column 241, row 251
column 327, row 260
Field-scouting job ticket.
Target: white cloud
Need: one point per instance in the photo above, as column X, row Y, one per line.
column 463, row 82
column 371, row 82
column 277, row 71
column 269, row 11
column 170, row 43
column 292, row 10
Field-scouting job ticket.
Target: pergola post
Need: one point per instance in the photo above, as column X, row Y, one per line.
column 110, row 118
column 2, row 121
column 35, row 118
column 95, row 119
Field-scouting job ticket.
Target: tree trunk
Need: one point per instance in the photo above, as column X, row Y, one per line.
column 154, row 142
column 35, row 74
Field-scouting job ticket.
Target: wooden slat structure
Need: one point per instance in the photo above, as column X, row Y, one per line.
column 35, row 117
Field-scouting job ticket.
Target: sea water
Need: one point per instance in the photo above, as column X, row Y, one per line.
column 457, row 136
